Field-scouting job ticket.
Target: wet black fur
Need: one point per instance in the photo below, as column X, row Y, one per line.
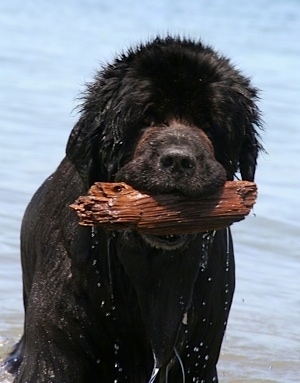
column 99, row 304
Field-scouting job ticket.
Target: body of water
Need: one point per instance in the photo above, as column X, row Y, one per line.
column 49, row 49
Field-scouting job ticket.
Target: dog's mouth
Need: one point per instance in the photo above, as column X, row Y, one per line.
column 166, row 242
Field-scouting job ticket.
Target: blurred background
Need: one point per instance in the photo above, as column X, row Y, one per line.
column 49, row 49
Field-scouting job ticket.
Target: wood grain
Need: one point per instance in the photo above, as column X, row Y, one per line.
column 117, row 206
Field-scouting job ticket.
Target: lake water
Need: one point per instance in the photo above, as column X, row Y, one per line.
column 49, row 49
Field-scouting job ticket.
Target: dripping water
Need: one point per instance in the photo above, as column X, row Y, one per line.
column 167, row 374
column 155, row 370
column 94, row 245
column 227, row 248
column 227, row 267
column 181, row 364
column 154, row 375
column 181, row 367
column 109, row 267
column 207, row 239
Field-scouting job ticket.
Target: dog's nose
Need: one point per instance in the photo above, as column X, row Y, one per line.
column 177, row 161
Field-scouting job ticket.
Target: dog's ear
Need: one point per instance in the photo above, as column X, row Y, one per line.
column 251, row 146
column 96, row 143
column 238, row 119
column 248, row 155
column 95, row 147
column 81, row 150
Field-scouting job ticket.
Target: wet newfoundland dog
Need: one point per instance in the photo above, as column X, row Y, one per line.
column 171, row 116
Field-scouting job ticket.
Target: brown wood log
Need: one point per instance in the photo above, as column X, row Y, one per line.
column 117, row 206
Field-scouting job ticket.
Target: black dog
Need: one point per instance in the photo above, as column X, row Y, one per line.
column 171, row 116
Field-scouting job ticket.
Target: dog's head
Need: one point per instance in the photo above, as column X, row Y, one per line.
column 170, row 87
column 171, row 116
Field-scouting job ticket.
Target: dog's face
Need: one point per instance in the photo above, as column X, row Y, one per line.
column 173, row 158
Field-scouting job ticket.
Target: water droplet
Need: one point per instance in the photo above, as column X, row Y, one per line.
column 98, row 284
column 185, row 319
column 98, row 361
column 206, row 357
column 196, row 349
column 209, row 279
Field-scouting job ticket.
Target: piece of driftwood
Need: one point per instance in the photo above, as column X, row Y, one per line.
column 118, row 206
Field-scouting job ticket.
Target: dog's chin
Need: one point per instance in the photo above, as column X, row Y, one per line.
column 167, row 242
